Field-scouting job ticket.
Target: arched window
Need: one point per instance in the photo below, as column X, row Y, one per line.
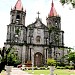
column 18, row 17
column 38, row 39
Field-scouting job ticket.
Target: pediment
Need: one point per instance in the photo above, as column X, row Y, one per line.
column 37, row 24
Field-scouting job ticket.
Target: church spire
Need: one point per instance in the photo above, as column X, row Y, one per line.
column 52, row 11
column 18, row 6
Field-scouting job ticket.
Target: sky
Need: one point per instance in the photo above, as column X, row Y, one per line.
column 66, row 12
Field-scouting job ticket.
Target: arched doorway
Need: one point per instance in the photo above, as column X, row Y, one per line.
column 38, row 59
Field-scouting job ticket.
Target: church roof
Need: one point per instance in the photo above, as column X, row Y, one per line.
column 52, row 11
column 18, row 6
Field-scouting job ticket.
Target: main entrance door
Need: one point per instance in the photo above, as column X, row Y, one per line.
column 38, row 59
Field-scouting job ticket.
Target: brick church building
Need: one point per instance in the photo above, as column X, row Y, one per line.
column 35, row 42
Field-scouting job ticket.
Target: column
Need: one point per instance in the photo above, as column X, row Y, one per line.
column 23, row 55
column 62, row 38
column 30, row 54
column 32, row 61
column 46, row 55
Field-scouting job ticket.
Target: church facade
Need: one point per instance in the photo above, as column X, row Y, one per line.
column 35, row 42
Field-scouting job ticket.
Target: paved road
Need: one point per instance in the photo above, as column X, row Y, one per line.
column 17, row 71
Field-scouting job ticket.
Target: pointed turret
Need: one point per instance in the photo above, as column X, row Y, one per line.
column 18, row 6
column 52, row 11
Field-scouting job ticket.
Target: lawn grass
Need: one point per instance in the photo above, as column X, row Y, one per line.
column 47, row 72
column 57, row 71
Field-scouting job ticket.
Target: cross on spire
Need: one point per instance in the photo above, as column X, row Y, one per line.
column 38, row 14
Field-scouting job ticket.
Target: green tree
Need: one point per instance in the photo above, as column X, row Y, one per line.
column 71, row 57
column 8, row 57
column 68, row 1
column 12, row 58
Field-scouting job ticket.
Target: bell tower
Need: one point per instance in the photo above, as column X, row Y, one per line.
column 16, row 30
column 54, row 25
column 18, row 14
column 53, row 19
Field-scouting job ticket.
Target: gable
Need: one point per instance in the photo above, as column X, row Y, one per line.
column 37, row 24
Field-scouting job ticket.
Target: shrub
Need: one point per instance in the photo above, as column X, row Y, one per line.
column 58, row 67
column 61, row 64
column 17, row 62
column 66, row 67
column 71, row 67
column 51, row 62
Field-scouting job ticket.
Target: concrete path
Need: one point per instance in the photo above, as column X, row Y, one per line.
column 17, row 71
